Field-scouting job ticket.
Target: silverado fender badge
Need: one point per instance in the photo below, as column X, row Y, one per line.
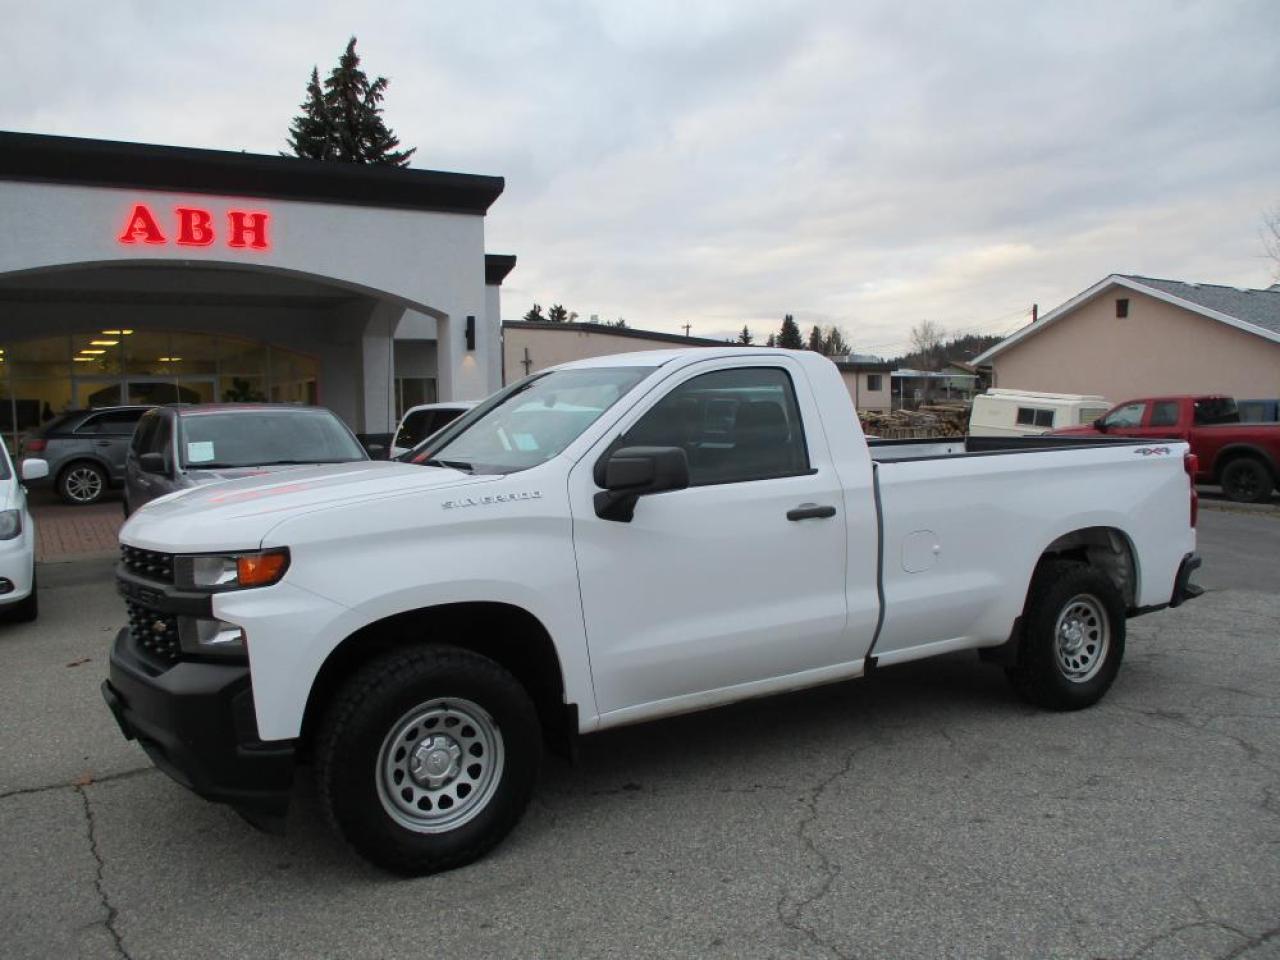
column 1153, row 451
column 491, row 499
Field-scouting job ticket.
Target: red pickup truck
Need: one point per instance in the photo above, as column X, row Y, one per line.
column 1243, row 457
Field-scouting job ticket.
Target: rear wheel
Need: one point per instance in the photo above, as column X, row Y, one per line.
column 82, row 483
column 1247, row 480
column 427, row 758
column 1073, row 637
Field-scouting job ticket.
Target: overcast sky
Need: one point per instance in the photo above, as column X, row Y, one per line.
column 717, row 163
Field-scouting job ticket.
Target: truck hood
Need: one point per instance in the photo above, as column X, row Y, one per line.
column 236, row 514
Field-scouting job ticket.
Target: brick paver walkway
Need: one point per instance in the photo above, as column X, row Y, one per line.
column 64, row 532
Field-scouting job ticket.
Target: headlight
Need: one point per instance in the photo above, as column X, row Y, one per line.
column 232, row 571
column 10, row 524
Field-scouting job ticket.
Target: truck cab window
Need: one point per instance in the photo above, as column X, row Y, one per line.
column 1164, row 414
column 735, row 425
column 1216, row 410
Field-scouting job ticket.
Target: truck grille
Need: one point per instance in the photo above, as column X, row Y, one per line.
column 154, row 632
column 147, row 563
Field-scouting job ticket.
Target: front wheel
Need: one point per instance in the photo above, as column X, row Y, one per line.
column 427, row 758
column 1073, row 637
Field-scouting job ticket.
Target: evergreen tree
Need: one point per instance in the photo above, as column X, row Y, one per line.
column 535, row 315
column 313, row 134
column 772, row 341
column 557, row 314
column 833, row 343
column 815, row 339
column 344, row 120
column 745, row 337
column 789, row 336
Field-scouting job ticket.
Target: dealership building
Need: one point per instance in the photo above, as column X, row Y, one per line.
column 133, row 273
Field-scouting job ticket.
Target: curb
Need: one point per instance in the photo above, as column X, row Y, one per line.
column 64, row 558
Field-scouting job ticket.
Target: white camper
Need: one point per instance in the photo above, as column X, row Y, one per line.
column 999, row 413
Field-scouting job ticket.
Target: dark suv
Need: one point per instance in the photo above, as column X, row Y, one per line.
column 85, row 450
column 179, row 446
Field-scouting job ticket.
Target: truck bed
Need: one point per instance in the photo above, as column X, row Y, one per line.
column 892, row 451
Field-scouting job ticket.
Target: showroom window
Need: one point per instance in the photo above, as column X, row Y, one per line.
column 44, row 377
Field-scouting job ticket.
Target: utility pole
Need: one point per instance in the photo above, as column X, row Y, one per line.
column 686, row 328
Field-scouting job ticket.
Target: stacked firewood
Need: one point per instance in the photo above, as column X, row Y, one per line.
column 929, row 420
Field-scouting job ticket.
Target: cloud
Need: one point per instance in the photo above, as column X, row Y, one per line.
column 717, row 163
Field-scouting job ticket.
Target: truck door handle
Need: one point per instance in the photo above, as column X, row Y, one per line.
column 102, row 443
column 811, row 511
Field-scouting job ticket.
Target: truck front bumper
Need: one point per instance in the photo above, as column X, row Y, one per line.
column 196, row 723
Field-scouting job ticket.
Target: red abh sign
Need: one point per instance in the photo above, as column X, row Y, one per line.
column 195, row 227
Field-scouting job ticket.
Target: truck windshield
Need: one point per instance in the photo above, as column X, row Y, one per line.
column 529, row 422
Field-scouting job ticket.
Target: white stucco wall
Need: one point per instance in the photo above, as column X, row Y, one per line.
column 429, row 262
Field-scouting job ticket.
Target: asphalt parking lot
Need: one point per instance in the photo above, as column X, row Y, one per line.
column 923, row 812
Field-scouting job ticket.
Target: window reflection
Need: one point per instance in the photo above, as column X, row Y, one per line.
column 44, row 377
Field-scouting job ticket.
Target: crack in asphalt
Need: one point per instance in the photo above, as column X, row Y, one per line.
column 791, row 918
column 1265, row 937
column 73, row 785
column 1252, row 753
column 100, row 866
column 1164, row 935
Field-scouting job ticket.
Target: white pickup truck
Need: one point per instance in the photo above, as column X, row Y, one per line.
column 606, row 542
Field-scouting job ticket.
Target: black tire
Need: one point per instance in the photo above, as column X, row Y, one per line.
column 82, row 483
column 361, row 724
column 1247, row 480
column 1074, row 670
column 28, row 608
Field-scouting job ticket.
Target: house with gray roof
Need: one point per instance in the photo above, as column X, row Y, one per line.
column 1130, row 336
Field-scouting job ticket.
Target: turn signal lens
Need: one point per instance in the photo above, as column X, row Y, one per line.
column 261, row 569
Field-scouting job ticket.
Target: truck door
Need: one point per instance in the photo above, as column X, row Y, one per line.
column 1163, row 421
column 723, row 583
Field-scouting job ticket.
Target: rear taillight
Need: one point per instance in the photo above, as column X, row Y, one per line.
column 1191, row 463
column 35, row 445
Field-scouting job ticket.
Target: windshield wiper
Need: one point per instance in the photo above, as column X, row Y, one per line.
column 454, row 464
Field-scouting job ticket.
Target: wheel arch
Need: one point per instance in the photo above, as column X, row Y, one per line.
column 1237, row 451
column 505, row 633
column 1107, row 548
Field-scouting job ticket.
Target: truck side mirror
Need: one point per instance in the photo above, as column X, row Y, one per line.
column 1100, row 424
column 633, row 472
column 152, row 463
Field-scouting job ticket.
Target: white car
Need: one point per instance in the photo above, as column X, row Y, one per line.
column 422, row 421
column 17, row 540
column 605, row 542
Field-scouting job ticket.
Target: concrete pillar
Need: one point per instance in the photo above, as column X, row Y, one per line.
column 377, row 367
column 493, row 319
